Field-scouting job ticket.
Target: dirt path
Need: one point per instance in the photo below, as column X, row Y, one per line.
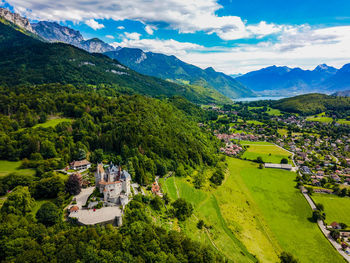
column 177, row 190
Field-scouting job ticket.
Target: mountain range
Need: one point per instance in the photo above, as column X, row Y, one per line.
column 26, row 60
column 152, row 64
column 54, row 32
column 270, row 81
column 172, row 68
column 293, row 81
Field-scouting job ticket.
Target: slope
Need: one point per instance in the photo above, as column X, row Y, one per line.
column 25, row 60
column 170, row 67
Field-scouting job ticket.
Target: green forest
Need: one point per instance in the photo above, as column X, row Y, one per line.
column 150, row 136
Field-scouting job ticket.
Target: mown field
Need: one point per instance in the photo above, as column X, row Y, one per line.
column 255, row 210
column 285, row 212
column 207, row 208
column 7, row 167
column 336, row 208
column 269, row 152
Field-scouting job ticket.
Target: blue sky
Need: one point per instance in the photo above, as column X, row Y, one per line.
column 233, row 36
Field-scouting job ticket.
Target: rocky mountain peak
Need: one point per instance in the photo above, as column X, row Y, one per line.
column 16, row 19
column 54, row 32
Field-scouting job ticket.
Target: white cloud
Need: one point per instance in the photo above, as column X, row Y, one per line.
column 133, row 36
column 110, row 36
column 182, row 15
column 296, row 47
column 120, row 27
column 94, row 24
column 150, row 29
column 299, row 46
column 169, row 47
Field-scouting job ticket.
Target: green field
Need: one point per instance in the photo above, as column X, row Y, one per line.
column 343, row 121
column 320, row 118
column 285, row 211
column 269, row 152
column 273, row 112
column 336, row 208
column 254, row 122
column 282, row 132
column 52, row 123
column 255, row 210
column 7, row 167
column 207, row 208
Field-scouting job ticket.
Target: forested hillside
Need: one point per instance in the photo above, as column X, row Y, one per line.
column 172, row 68
column 25, row 60
column 313, row 103
column 148, row 135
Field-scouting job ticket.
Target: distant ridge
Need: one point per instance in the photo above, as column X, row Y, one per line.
column 172, row 68
column 288, row 81
column 28, row 61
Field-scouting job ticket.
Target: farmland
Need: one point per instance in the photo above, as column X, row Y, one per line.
column 285, row 212
column 255, row 210
column 336, row 208
column 269, row 152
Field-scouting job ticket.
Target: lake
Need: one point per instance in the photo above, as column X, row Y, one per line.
column 257, row 98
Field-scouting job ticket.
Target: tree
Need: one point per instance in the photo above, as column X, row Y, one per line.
column 183, row 209
column 310, row 190
column 320, row 207
column 259, row 159
column 166, row 198
column 97, row 156
column 318, row 215
column 286, row 257
column 49, row 187
column 284, row 161
column 73, row 185
column 157, row 203
column 343, row 225
column 335, row 234
column 343, row 192
column 18, row 202
column 48, row 214
column 200, row 224
column 217, row 177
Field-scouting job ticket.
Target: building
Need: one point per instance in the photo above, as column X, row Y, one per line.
column 114, row 183
column 279, row 166
column 80, row 165
column 335, row 225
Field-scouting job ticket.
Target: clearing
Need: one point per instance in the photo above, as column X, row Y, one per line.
column 52, row 122
column 269, row 152
column 336, row 208
column 7, row 167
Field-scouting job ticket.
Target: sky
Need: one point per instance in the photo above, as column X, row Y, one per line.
column 232, row 36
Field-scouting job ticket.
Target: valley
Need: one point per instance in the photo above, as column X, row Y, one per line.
column 109, row 153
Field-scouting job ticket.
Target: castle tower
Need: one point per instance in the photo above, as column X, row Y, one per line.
column 105, row 193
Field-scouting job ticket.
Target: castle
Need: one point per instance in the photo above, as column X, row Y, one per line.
column 114, row 183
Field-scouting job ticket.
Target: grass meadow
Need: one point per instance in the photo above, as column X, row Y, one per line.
column 255, row 210
column 336, row 208
column 52, row 122
column 285, row 212
column 269, row 152
column 7, row 167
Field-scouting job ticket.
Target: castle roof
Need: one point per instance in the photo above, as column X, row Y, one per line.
column 74, row 208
